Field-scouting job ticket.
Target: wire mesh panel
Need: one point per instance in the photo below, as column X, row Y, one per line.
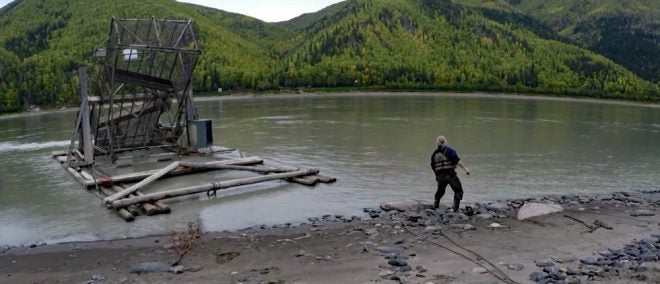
column 144, row 71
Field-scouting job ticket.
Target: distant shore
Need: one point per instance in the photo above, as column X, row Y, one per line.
column 238, row 96
column 235, row 96
column 607, row 238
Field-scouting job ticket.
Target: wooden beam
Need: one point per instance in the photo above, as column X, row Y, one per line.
column 207, row 187
column 86, row 137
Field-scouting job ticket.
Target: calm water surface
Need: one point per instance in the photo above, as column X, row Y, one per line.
column 377, row 146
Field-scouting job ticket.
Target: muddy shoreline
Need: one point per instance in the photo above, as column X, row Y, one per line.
column 609, row 238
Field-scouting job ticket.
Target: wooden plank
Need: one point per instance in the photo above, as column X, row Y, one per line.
column 142, row 183
column 207, row 187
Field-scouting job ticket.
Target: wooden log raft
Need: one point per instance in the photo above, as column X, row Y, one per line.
column 136, row 177
column 208, row 187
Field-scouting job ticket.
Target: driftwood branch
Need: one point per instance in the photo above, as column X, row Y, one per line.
column 597, row 224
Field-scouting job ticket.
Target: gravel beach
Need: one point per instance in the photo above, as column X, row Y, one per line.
column 609, row 238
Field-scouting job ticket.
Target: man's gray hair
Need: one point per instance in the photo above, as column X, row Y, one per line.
column 441, row 140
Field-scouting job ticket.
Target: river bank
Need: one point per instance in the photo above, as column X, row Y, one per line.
column 609, row 238
column 234, row 96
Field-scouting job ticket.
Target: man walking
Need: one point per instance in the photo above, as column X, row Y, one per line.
column 443, row 162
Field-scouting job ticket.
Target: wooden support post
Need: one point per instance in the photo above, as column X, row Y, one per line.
column 207, row 187
column 86, row 137
column 141, row 184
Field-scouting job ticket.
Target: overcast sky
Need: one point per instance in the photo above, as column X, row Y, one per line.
column 266, row 10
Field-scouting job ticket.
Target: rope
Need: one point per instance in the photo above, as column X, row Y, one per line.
column 503, row 277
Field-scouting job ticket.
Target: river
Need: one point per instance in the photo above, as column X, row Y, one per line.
column 378, row 146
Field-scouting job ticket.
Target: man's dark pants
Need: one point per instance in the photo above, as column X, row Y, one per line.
column 452, row 180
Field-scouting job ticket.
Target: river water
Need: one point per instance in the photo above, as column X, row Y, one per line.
column 378, row 146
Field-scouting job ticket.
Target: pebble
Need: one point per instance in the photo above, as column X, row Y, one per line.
column 301, row 253
column 398, row 262
column 389, row 249
column 480, row 270
column 515, row 266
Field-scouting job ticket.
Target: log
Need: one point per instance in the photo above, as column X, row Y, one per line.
column 308, row 180
column 283, row 167
column 164, row 209
column 125, row 214
column 217, row 166
column 280, row 166
column 133, row 177
column 143, row 183
column 128, row 213
column 86, row 175
column 79, row 177
column 207, row 187
column 325, row 179
column 148, row 208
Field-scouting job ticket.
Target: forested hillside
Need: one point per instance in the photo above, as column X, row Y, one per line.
column 43, row 42
column 626, row 31
column 396, row 44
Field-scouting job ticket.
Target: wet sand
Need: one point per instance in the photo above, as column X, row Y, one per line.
column 577, row 245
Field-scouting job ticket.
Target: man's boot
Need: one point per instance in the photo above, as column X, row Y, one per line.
column 457, row 204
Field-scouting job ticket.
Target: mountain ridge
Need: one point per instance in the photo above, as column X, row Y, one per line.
column 396, row 44
column 628, row 32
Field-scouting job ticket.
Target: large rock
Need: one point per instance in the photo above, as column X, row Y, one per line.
column 404, row 205
column 537, row 209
